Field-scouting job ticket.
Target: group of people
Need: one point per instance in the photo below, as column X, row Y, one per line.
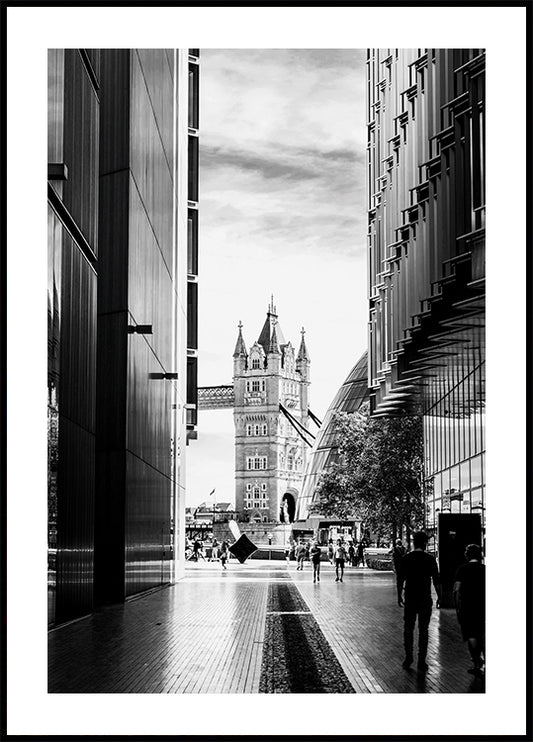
column 415, row 572
column 355, row 552
column 219, row 552
column 338, row 554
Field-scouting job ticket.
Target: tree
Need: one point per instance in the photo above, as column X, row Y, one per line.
column 378, row 473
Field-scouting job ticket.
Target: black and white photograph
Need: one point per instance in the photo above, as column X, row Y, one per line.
column 275, row 452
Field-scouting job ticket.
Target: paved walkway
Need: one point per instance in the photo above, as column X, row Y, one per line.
column 261, row 627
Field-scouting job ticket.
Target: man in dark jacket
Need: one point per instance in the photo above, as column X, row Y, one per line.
column 417, row 570
column 469, row 597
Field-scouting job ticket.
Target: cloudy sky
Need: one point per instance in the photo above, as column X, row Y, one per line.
column 282, row 212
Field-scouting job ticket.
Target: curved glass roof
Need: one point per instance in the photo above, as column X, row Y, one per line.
column 352, row 394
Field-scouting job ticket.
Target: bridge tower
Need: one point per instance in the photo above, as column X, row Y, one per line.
column 269, row 381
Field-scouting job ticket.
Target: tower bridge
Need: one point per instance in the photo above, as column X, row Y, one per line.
column 270, row 401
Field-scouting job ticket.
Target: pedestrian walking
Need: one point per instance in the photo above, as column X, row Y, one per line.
column 351, row 554
column 417, row 570
column 292, row 553
column 469, row 598
column 214, row 551
column 197, row 550
column 300, row 555
column 331, row 550
column 224, row 554
column 360, row 554
column 340, row 557
column 398, row 552
column 315, row 551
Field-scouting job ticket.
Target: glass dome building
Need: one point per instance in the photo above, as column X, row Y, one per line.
column 352, row 394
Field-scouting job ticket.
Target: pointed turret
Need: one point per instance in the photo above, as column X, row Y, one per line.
column 303, row 355
column 303, row 367
column 274, row 345
column 266, row 332
column 240, row 347
column 240, row 356
column 274, row 359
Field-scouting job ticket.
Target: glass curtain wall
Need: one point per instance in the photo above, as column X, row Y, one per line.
column 350, row 397
column 454, row 432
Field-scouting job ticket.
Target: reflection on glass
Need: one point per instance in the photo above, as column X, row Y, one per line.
column 465, row 475
column 476, row 471
column 482, row 429
column 477, row 499
column 454, row 479
column 454, row 432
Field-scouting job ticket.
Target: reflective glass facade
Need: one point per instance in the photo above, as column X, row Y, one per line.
column 72, row 295
column 352, row 394
column 455, row 449
column 426, row 212
column 120, row 319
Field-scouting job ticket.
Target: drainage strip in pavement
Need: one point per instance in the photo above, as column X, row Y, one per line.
column 296, row 655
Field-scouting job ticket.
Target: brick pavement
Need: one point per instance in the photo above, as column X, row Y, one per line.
column 206, row 634
column 364, row 626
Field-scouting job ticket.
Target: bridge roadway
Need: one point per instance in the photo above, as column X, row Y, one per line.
column 261, row 627
column 216, row 397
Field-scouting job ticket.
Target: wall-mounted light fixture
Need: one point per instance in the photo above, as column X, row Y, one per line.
column 140, row 329
column 168, row 376
column 57, row 171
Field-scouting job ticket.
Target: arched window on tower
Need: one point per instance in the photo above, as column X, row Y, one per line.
column 256, row 363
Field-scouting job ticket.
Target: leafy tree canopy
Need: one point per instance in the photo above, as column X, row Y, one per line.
column 377, row 475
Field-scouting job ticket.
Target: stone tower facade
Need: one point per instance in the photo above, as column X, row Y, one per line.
column 270, row 455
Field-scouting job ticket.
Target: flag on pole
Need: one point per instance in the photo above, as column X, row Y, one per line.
column 212, row 492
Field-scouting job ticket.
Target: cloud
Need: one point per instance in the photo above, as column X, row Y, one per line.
column 283, row 150
column 273, row 160
column 284, row 96
column 304, row 197
column 267, row 167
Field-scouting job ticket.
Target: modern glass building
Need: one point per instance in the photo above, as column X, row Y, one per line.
column 352, row 394
column 122, row 309
column 426, row 223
